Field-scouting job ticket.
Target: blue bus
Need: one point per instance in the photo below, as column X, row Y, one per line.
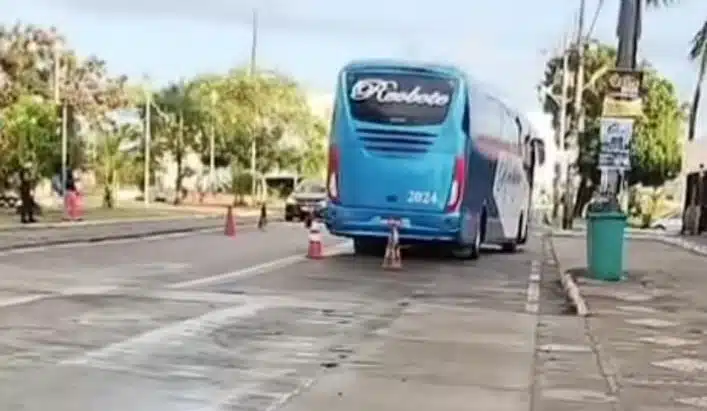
column 428, row 147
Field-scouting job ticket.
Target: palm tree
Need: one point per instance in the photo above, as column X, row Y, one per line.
column 177, row 124
column 113, row 158
column 697, row 53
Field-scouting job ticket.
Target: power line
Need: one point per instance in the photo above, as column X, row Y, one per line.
column 597, row 12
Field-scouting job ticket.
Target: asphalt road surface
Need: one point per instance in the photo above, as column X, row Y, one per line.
column 206, row 322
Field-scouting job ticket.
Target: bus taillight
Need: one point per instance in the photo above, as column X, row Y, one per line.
column 333, row 174
column 456, row 192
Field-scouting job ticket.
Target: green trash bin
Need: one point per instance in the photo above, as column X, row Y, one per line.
column 605, row 245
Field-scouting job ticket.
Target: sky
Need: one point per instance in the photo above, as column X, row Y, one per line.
column 502, row 42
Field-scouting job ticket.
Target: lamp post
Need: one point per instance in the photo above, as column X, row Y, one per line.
column 212, row 145
column 57, row 79
column 148, row 142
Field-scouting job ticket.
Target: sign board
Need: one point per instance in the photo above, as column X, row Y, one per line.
column 614, row 161
column 617, row 107
column 615, row 137
column 623, row 95
column 624, row 84
column 615, row 134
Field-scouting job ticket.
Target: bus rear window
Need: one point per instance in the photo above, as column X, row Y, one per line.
column 399, row 99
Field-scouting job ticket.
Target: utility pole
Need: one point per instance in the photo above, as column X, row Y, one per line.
column 577, row 122
column 148, row 143
column 562, row 132
column 64, row 119
column 64, row 148
column 212, row 146
column 252, row 68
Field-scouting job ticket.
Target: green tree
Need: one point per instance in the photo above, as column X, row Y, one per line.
column 656, row 151
column 112, row 161
column 27, row 136
column 656, row 144
column 34, row 60
column 267, row 109
column 697, row 53
column 177, row 124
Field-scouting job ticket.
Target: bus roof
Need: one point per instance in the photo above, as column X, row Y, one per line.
column 446, row 69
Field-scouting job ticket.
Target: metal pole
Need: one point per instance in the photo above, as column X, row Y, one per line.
column 572, row 143
column 563, row 117
column 148, row 143
column 212, row 158
column 253, row 147
column 64, row 148
column 57, row 72
column 628, row 31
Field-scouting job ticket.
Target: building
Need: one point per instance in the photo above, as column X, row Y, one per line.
column 545, row 174
column 695, row 153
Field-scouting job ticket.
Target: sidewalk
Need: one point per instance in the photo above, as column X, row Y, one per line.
column 650, row 331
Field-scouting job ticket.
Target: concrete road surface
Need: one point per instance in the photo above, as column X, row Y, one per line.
column 204, row 322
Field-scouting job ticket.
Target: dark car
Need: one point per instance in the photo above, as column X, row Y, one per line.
column 309, row 198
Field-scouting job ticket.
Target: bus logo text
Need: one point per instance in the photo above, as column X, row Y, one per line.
column 385, row 91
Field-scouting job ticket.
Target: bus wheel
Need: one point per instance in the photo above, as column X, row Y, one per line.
column 469, row 252
column 512, row 246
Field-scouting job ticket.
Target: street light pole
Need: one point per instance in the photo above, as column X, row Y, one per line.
column 212, row 146
column 148, row 143
column 64, row 120
column 64, row 149
column 573, row 141
column 253, row 147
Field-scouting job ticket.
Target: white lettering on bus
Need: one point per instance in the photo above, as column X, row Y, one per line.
column 387, row 92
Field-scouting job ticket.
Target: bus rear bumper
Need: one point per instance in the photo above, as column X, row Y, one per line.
column 365, row 222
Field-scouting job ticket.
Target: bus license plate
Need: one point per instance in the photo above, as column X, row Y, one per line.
column 401, row 222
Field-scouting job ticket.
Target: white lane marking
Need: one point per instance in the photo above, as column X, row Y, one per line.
column 533, row 291
column 142, row 344
column 256, row 269
column 22, row 299
column 67, row 292
column 238, row 274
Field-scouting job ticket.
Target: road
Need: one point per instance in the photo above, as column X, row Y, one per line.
column 206, row 322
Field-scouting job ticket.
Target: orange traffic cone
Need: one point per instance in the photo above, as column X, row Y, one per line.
column 392, row 260
column 314, row 250
column 230, row 229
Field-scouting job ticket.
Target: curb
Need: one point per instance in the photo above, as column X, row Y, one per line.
column 129, row 236
column 96, row 223
column 109, row 222
column 569, row 285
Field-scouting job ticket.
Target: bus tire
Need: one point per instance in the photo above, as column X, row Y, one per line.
column 523, row 238
column 473, row 251
column 512, row 246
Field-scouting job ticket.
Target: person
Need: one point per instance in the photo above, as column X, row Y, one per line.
column 26, row 186
column 263, row 219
